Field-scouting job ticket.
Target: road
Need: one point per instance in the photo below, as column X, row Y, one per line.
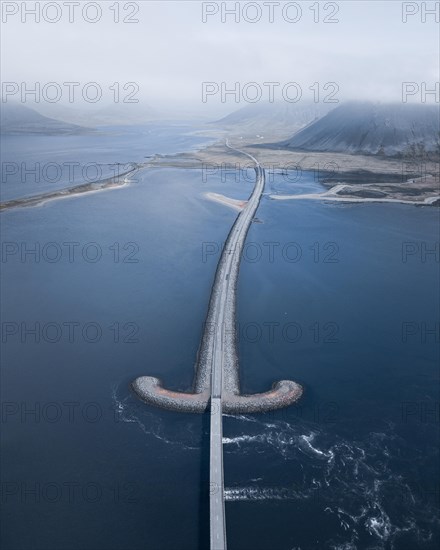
column 217, row 370
column 221, row 344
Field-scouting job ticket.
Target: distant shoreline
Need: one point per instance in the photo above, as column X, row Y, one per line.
column 356, row 179
column 333, row 197
column 100, row 185
column 348, row 177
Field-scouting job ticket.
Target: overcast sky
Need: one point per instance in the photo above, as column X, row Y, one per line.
column 171, row 51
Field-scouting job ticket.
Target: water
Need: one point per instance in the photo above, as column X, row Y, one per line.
column 354, row 465
column 39, row 164
column 358, row 457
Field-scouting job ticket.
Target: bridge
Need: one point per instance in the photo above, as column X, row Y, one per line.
column 216, row 384
column 224, row 296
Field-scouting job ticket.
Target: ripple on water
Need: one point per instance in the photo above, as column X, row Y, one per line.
column 356, row 481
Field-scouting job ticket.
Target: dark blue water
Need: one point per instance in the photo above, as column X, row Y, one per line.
column 323, row 295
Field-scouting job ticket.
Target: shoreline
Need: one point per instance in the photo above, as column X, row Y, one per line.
column 333, row 195
column 386, row 178
column 77, row 190
column 357, row 175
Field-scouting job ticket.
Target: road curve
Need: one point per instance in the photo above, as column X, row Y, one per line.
column 217, row 369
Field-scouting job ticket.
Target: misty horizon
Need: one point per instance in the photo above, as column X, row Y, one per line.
column 180, row 48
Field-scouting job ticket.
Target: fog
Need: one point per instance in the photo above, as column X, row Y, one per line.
column 365, row 49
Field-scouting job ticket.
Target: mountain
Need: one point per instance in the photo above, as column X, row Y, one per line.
column 371, row 128
column 18, row 119
column 272, row 119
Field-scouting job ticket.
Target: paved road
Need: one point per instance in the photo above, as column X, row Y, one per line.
column 223, row 298
column 217, row 501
